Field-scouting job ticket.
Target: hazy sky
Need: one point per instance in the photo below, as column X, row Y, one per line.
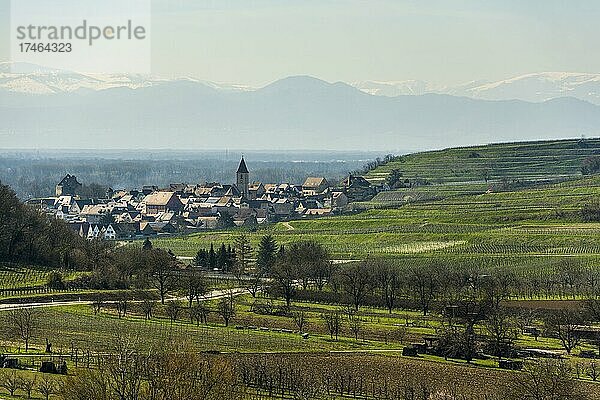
column 444, row 42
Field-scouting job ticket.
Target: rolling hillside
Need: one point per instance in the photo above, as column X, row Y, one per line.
column 528, row 161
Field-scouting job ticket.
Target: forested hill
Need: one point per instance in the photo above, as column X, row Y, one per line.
column 26, row 236
column 539, row 160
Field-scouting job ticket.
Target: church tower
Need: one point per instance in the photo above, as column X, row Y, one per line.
column 242, row 176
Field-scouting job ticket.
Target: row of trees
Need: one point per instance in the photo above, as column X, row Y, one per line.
column 13, row 383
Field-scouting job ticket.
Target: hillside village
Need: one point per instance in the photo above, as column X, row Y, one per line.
column 185, row 208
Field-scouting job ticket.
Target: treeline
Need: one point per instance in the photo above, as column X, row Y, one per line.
column 377, row 162
column 30, row 237
column 33, row 176
column 27, row 236
column 471, row 303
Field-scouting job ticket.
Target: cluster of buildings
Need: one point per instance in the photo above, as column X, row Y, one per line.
column 183, row 208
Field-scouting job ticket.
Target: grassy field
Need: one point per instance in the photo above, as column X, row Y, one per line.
column 375, row 357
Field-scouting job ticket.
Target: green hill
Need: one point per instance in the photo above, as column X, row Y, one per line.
column 525, row 161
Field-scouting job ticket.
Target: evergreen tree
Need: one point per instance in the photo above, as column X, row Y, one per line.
column 230, row 258
column 147, row 244
column 267, row 253
column 222, row 257
column 201, row 258
column 212, row 257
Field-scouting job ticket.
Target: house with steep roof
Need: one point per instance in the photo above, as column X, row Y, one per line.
column 159, row 202
column 313, row 186
column 68, row 186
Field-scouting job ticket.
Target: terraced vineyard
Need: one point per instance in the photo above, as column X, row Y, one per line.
column 12, row 277
column 544, row 221
column 523, row 161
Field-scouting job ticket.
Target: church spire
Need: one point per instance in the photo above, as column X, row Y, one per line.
column 242, row 169
column 242, row 179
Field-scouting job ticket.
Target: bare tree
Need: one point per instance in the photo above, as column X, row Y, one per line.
column 97, row 304
column 425, row 285
column 47, row 386
column 161, row 272
column 123, row 368
column 122, row 307
column 355, row 323
column 226, row 308
column 28, row 384
column 193, row 284
column 501, row 327
column 147, row 307
column 24, row 323
column 357, row 281
column 300, row 319
column 593, row 371
column 544, row 379
column 10, row 381
column 333, row 323
column 388, row 281
column 564, row 324
column 172, row 310
column 285, row 275
column 199, row 313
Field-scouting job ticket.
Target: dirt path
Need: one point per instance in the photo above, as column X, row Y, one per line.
column 215, row 294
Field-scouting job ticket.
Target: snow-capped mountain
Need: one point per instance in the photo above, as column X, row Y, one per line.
column 34, row 79
column 397, row 88
column 541, row 87
column 535, row 87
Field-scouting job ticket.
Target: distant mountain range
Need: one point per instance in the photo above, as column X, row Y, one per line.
column 50, row 109
column 532, row 87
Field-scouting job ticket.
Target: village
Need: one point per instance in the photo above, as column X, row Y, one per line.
column 184, row 208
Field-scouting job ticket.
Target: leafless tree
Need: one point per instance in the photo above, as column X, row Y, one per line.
column 199, row 313
column 355, row 323
column 501, row 327
column 97, row 304
column 10, row 381
column 424, row 284
column 161, row 271
column 544, row 380
column 47, row 386
column 593, row 371
column 24, row 323
column 226, row 308
column 387, row 280
column 147, row 307
column 333, row 323
column 300, row 319
column 193, row 285
column 122, row 307
column 357, row 280
column 28, row 384
column 172, row 310
column 285, row 275
column 564, row 324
